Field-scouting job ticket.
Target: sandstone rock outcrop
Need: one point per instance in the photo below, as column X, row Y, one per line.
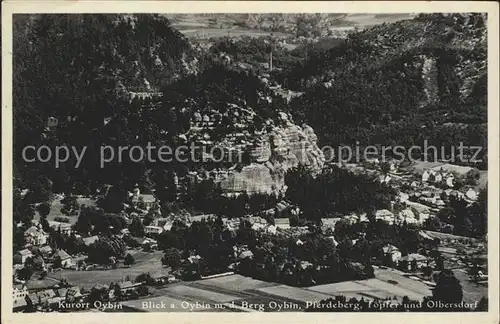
column 271, row 151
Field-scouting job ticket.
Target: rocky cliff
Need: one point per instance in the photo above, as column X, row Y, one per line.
column 255, row 161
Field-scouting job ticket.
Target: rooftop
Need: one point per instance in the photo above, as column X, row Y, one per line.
column 413, row 257
column 61, row 254
column 59, row 224
column 90, row 240
column 46, row 248
column 24, row 252
column 147, row 198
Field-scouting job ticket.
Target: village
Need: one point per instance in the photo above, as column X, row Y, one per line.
column 258, row 217
column 46, row 275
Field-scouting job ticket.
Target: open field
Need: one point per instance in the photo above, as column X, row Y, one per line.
column 408, row 284
column 55, row 210
column 240, row 292
column 221, row 25
column 421, row 166
column 144, row 262
column 378, row 287
column 296, row 294
column 369, row 20
column 235, row 283
column 40, row 284
column 472, row 291
column 446, row 236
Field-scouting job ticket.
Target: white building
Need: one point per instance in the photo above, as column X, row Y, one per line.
column 19, row 297
column 21, row 256
column 449, row 181
column 36, row 236
column 65, row 228
column 385, row 215
column 392, row 251
column 408, row 216
column 153, row 229
column 20, row 292
column 471, row 194
column 419, row 260
column 66, row 260
column 403, row 197
column 425, row 176
column 271, row 229
column 438, row 178
column 147, row 200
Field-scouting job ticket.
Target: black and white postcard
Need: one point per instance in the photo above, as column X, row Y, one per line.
column 302, row 158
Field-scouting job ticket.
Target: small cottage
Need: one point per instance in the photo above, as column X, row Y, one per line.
column 21, row 256
column 66, row 259
column 246, row 254
column 36, row 236
column 391, row 252
column 413, row 261
column 90, row 240
column 46, row 250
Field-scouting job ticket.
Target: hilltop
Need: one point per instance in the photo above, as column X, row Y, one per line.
column 398, row 83
column 132, row 80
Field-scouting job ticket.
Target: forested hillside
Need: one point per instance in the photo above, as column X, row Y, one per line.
column 395, row 84
column 83, row 70
column 124, row 81
column 399, row 83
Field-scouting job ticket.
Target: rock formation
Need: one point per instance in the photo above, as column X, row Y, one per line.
column 264, row 155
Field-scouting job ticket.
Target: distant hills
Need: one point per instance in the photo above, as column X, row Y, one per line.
column 277, row 23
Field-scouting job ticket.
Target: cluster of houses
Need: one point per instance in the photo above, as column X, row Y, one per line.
column 24, row 298
column 49, row 298
column 408, row 215
column 428, row 189
column 409, row 262
column 38, row 249
column 142, row 201
column 258, row 223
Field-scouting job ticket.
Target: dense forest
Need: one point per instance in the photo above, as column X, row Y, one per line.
column 399, row 84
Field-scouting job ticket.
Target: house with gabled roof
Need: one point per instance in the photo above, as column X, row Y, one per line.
column 90, row 240
column 19, row 304
column 413, row 261
column 21, row 256
column 66, row 260
column 33, row 299
column 65, row 228
column 20, row 291
column 392, row 252
column 61, row 292
column 45, row 295
column 126, row 286
column 45, row 250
